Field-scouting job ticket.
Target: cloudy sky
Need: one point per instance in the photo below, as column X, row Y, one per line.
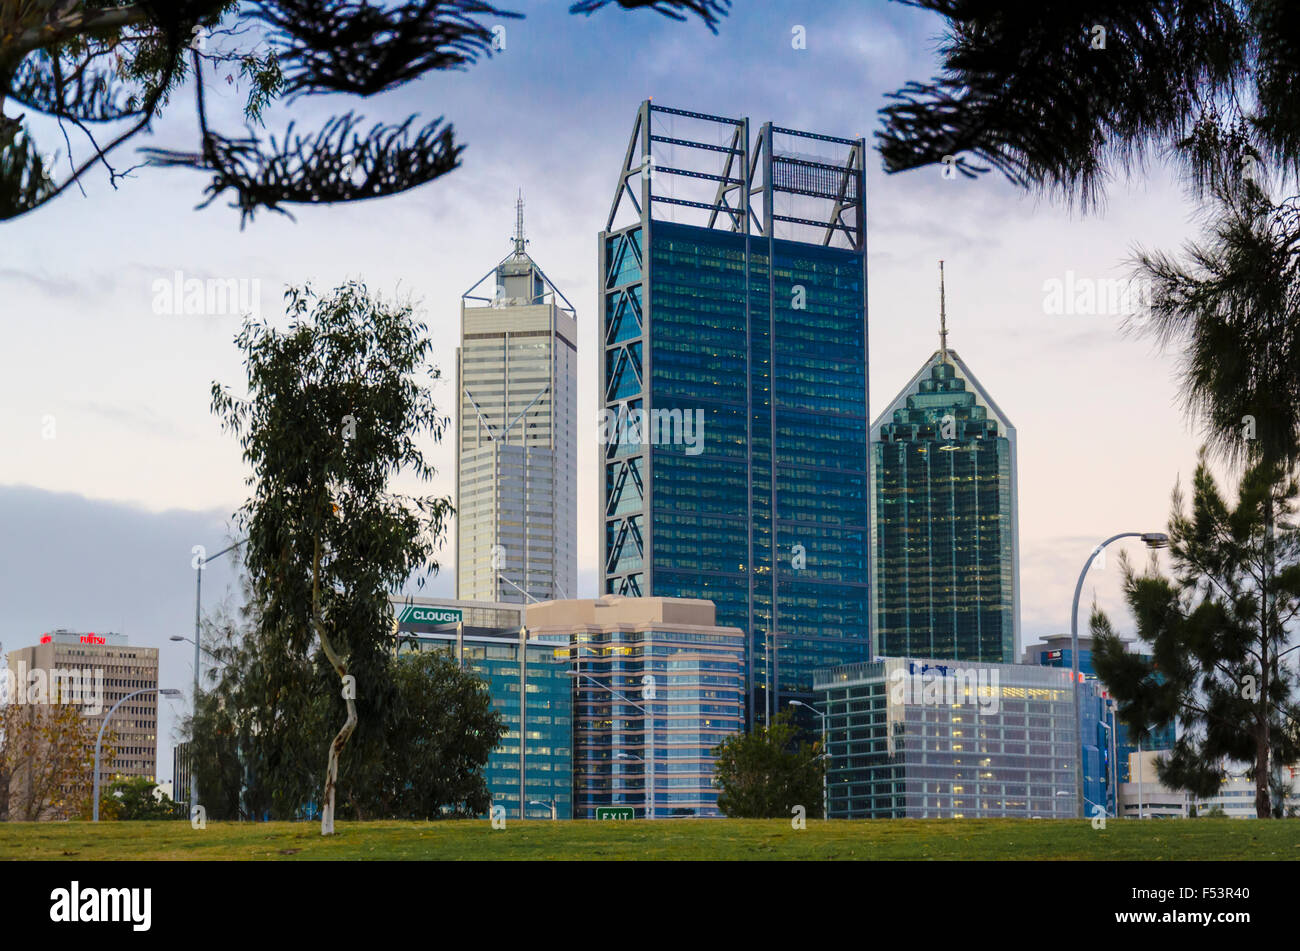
column 113, row 467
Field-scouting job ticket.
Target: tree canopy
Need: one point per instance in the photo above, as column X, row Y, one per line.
column 1060, row 95
column 1216, row 636
column 105, row 70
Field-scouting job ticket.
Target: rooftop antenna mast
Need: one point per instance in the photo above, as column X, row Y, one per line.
column 943, row 319
column 520, row 241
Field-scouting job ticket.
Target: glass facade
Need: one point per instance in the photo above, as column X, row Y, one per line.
column 762, row 341
column 697, row 703
column 545, row 769
column 913, row 738
column 1051, row 655
column 944, row 521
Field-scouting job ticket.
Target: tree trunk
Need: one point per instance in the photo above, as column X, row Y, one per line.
column 1263, row 736
column 341, row 739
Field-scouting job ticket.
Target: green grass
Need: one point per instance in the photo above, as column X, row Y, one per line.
column 676, row 839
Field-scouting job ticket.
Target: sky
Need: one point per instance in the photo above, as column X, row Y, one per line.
column 112, row 467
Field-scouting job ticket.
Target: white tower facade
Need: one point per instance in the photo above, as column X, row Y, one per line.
column 516, row 482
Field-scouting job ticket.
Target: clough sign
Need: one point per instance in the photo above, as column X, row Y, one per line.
column 428, row 614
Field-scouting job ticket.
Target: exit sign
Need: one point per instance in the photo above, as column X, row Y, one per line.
column 614, row 812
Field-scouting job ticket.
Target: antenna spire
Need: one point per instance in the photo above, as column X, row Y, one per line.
column 943, row 319
column 519, row 225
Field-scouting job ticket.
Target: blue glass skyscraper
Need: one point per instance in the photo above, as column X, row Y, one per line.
column 945, row 579
column 734, row 403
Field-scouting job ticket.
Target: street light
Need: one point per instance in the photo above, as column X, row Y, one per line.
column 1153, row 540
column 639, row 759
column 825, row 751
column 168, row 692
column 201, row 562
column 647, row 694
column 182, row 637
column 546, row 805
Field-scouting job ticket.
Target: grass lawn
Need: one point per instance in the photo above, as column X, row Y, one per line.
column 676, row 839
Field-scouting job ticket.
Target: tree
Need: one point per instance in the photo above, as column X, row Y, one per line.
column 1235, row 306
column 765, row 773
column 131, row 798
column 115, row 64
column 1217, row 632
column 443, row 731
column 1058, row 95
column 438, row 734
column 47, row 761
column 336, row 404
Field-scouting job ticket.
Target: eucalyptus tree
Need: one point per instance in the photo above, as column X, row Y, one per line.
column 336, row 405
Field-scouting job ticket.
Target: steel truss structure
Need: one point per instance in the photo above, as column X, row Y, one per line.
column 786, row 185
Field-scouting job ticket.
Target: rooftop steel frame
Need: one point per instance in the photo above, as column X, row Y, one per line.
column 750, row 182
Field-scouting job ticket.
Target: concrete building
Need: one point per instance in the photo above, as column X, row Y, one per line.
column 516, row 480
column 1236, row 797
column 935, row 738
column 96, row 670
column 733, row 388
column 677, row 680
column 1145, row 797
column 527, row 682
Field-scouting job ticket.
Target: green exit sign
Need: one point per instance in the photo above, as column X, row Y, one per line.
column 614, row 812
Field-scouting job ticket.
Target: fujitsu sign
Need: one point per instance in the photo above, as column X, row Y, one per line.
column 63, row 636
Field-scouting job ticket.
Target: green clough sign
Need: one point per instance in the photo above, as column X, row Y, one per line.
column 424, row 614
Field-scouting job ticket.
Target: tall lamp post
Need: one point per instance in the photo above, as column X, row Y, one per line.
column 168, row 692
column 200, row 562
column 640, row 760
column 826, row 814
column 647, row 694
column 1153, row 541
column 545, row 805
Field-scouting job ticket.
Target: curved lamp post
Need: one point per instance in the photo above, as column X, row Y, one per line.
column 1153, row 540
column 161, row 691
column 825, row 752
column 200, row 564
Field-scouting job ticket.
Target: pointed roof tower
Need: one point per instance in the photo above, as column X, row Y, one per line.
column 517, row 280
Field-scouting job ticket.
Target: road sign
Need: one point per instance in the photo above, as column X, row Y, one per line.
column 614, row 812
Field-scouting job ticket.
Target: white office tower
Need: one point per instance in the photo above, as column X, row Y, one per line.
column 516, row 487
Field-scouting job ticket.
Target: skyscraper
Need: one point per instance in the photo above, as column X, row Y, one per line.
column 733, row 322
column 516, row 482
column 946, row 575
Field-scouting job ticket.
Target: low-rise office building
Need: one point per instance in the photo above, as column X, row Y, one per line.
column 1236, row 796
column 1055, row 651
column 95, row 671
column 657, row 686
column 1144, row 796
column 527, row 680
column 922, row 738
